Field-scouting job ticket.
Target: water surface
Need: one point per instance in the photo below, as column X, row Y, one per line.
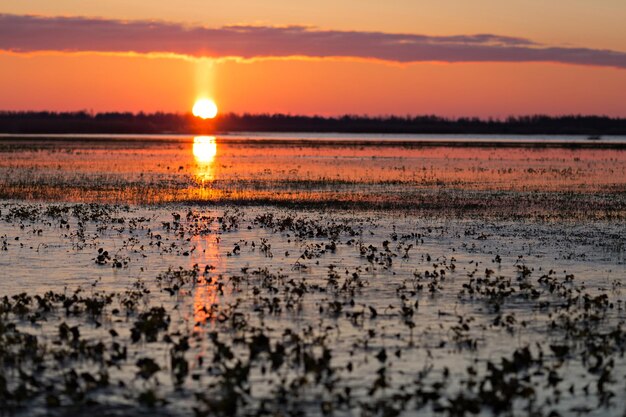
column 395, row 172
column 312, row 275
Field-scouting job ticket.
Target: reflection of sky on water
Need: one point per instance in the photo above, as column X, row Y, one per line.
column 137, row 170
column 205, row 293
column 204, row 152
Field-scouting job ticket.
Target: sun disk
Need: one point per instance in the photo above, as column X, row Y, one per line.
column 205, row 108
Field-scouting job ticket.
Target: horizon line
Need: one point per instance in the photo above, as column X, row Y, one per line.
column 405, row 116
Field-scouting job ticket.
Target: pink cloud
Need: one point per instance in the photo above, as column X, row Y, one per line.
column 25, row 33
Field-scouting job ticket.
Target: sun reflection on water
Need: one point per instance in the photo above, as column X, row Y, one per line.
column 204, row 152
column 206, row 297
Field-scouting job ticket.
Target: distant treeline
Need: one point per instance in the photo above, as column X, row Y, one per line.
column 85, row 122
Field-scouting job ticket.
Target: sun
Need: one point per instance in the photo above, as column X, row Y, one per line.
column 205, row 108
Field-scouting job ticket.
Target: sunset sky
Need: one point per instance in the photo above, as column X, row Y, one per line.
column 483, row 58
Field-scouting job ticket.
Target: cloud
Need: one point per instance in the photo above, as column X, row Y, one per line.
column 27, row 33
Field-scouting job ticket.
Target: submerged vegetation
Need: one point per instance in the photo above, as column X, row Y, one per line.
column 228, row 278
column 185, row 310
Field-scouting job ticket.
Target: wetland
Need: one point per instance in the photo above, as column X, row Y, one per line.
column 296, row 275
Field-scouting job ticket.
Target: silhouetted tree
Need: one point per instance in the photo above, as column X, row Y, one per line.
column 113, row 122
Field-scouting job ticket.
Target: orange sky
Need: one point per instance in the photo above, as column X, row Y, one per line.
column 57, row 80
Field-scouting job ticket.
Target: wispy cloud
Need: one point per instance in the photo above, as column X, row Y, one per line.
column 26, row 33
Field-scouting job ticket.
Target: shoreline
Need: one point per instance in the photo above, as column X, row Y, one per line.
column 295, row 141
